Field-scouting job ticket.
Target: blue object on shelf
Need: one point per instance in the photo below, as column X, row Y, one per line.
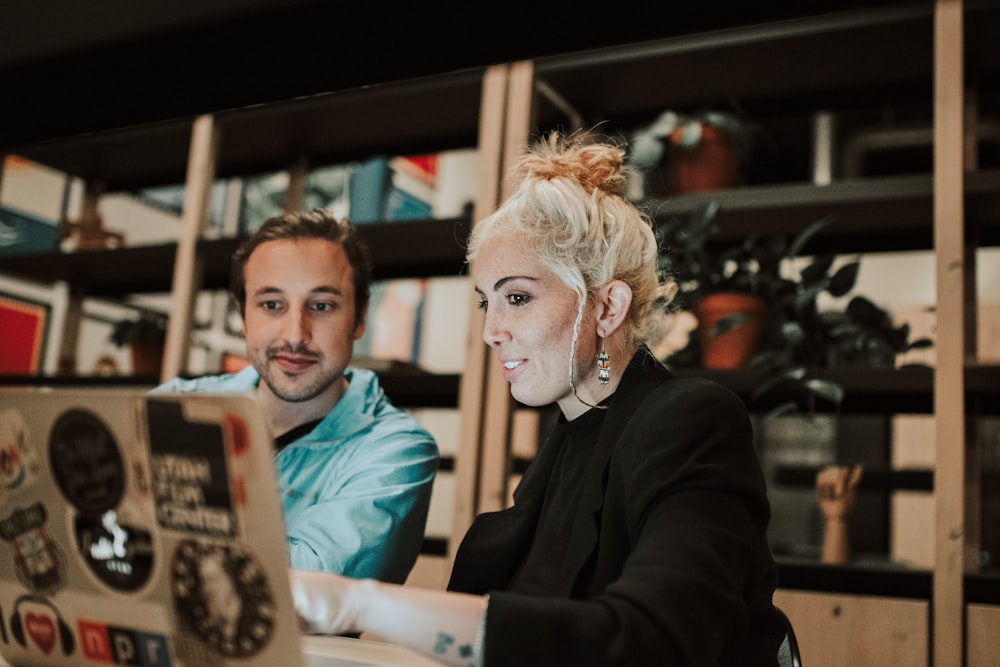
column 22, row 233
column 373, row 195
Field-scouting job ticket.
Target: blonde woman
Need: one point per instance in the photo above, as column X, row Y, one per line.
column 637, row 535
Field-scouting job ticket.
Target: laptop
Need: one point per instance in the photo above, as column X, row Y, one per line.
column 146, row 529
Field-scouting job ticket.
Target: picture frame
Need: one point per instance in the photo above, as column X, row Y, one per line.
column 23, row 323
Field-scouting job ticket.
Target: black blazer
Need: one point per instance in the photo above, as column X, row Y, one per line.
column 669, row 563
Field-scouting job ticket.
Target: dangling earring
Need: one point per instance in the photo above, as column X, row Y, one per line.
column 603, row 365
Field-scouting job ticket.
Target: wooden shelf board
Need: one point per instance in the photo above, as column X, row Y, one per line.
column 873, row 390
column 400, row 119
column 400, row 249
column 885, row 581
column 870, row 215
column 405, row 389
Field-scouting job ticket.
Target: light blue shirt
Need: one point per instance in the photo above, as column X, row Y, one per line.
column 355, row 490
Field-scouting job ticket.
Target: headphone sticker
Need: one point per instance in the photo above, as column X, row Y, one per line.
column 41, row 626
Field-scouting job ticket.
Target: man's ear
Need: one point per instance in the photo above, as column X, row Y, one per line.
column 359, row 328
column 614, row 301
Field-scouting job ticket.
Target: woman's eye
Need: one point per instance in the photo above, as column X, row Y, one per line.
column 518, row 299
column 481, row 304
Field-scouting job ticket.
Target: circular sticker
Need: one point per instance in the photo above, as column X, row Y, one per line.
column 86, row 462
column 119, row 554
column 17, row 457
column 223, row 596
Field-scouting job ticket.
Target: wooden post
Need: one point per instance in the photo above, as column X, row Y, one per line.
column 473, row 384
column 187, row 265
column 949, row 376
column 295, row 194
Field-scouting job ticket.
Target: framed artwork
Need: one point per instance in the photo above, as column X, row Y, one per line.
column 23, row 326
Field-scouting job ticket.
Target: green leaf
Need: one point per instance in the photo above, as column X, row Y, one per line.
column 844, row 279
column 799, row 242
column 827, row 389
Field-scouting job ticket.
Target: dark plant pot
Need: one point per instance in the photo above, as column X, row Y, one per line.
column 147, row 356
column 730, row 326
column 711, row 164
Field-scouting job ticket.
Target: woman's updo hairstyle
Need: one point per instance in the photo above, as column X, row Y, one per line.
column 570, row 204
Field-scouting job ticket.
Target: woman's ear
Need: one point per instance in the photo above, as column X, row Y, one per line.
column 614, row 301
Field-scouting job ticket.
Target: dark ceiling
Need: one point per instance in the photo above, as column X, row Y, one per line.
column 71, row 67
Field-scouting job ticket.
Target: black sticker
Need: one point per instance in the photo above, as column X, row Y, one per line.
column 119, row 554
column 86, row 462
column 188, row 465
column 222, row 596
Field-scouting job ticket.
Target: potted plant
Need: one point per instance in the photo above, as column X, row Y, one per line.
column 796, row 337
column 146, row 336
column 733, row 290
column 700, row 151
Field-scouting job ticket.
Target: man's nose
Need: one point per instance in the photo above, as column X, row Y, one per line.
column 296, row 327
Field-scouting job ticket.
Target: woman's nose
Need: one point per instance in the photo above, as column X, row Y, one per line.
column 494, row 331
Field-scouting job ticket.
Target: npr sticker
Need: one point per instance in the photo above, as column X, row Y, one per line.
column 115, row 645
column 86, row 462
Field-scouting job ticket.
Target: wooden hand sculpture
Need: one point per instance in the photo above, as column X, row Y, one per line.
column 835, row 489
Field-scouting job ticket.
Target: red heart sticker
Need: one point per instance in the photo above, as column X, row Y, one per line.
column 42, row 630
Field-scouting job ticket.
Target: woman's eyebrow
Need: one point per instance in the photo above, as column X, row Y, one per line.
column 503, row 281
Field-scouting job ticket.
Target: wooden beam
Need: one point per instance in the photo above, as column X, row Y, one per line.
column 949, row 384
column 472, row 386
column 187, row 267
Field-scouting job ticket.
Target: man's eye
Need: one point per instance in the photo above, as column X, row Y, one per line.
column 270, row 305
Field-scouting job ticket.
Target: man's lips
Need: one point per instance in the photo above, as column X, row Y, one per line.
column 293, row 363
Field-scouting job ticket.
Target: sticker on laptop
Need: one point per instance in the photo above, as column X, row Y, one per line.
column 222, row 596
column 191, row 485
column 86, row 462
column 37, row 625
column 37, row 559
column 18, row 461
column 119, row 553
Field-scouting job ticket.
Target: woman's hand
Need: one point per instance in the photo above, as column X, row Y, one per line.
column 323, row 602
column 441, row 625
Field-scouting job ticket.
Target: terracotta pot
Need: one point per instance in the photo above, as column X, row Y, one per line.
column 711, row 164
column 147, row 357
column 729, row 328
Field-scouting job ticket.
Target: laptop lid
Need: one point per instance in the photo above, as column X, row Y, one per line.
column 140, row 529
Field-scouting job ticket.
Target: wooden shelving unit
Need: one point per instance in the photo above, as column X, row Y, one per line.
column 880, row 58
column 886, row 59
